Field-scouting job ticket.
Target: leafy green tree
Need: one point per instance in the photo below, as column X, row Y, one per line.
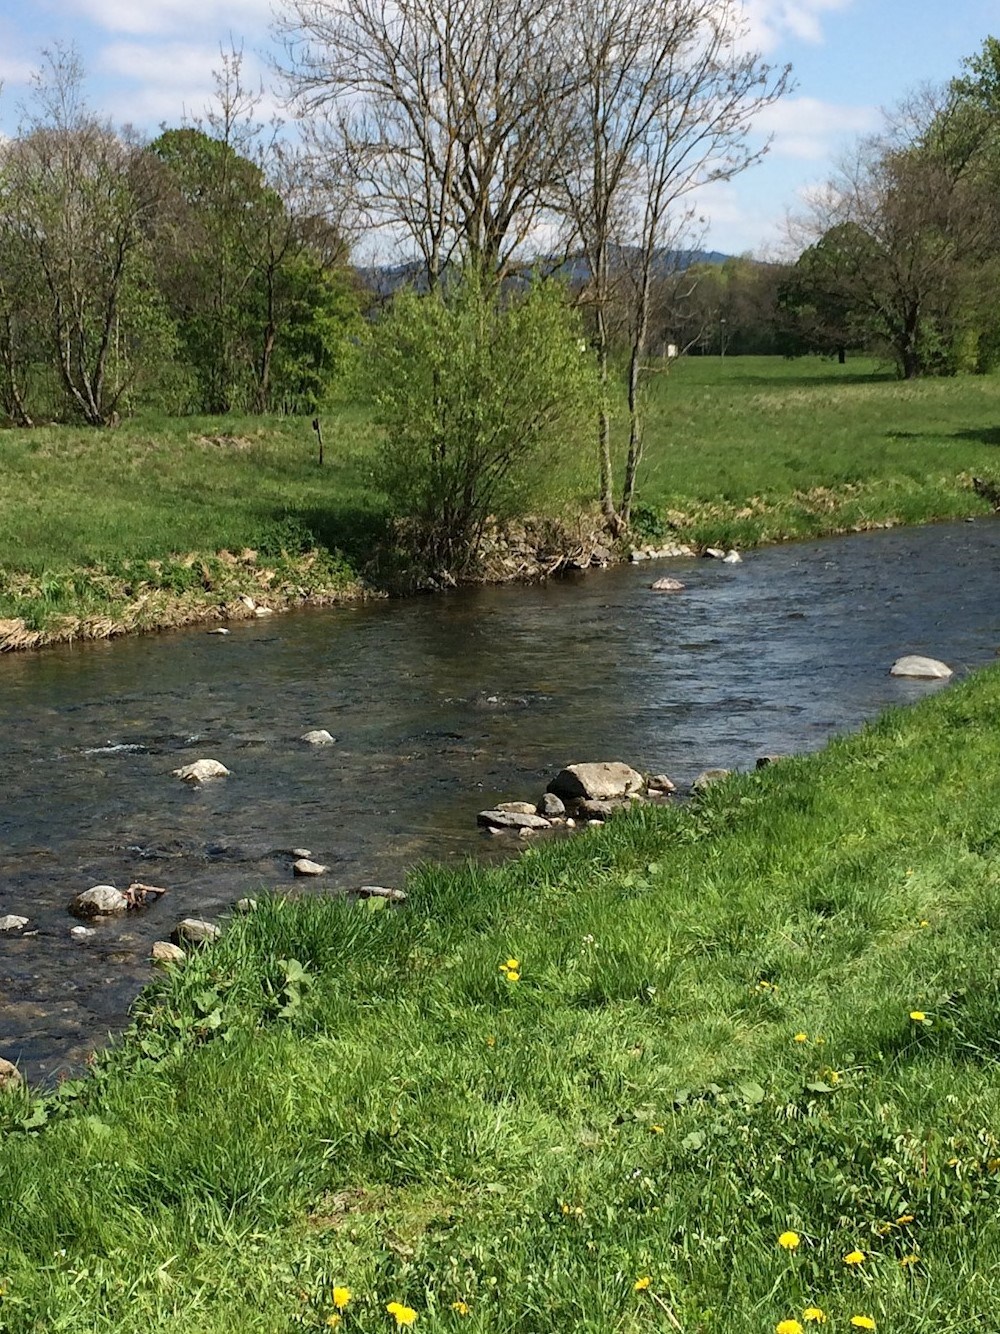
column 477, row 397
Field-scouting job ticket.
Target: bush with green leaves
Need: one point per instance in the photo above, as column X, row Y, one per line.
column 478, row 392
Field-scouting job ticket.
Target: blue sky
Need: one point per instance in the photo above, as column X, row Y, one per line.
column 150, row 62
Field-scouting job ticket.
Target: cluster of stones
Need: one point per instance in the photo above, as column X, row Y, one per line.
column 579, row 794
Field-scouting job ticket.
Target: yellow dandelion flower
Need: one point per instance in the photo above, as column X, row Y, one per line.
column 903, row 1219
column 992, row 1165
column 788, row 1327
column 814, row 1315
column 952, row 1162
column 924, row 922
column 403, row 1315
column 909, row 1260
column 918, row 1016
column 862, row 1322
column 854, row 1258
column 788, row 1241
column 801, row 1037
column 511, row 965
column 883, row 1229
column 461, row 1308
column 641, row 1284
column 332, row 1321
column 341, row 1296
column 656, row 1130
column 511, row 976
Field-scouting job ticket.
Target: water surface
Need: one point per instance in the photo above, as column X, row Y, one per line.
column 439, row 706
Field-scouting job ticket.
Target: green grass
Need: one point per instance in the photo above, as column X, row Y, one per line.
column 335, row 1095
column 739, row 451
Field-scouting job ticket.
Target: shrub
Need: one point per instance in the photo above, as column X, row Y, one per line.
column 477, row 392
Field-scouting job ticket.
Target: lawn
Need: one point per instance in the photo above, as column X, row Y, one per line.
column 739, row 451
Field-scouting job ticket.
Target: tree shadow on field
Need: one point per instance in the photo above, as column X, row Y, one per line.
column 817, row 379
column 360, row 534
column 981, row 435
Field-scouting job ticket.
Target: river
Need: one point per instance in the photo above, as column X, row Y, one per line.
column 440, row 706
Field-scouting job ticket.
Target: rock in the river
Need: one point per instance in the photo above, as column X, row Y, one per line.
column 319, row 737
column 661, row 783
column 732, row 558
column 100, row 901
column 497, row 819
column 305, row 867
column 263, row 611
column 708, row 777
column 381, row 892
column 301, row 852
column 82, row 932
column 13, row 923
column 592, row 809
column 926, row 669
column 248, row 601
column 667, row 586
column 201, row 771
column 165, row 952
column 245, row 906
column 765, row 761
column 716, row 553
column 551, row 806
column 195, row 931
column 219, row 630
column 10, row 1076
column 596, row 782
column 517, row 807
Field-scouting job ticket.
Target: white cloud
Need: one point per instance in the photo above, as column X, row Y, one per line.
column 808, row 129
column 169, row 81
column 773, row 21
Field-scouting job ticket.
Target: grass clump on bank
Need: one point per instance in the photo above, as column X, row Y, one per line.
column 739, row 452
column 589, row 1090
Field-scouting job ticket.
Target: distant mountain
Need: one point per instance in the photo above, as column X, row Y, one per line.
column 385, row 279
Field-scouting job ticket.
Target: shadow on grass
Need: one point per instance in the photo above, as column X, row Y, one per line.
column 983, row 435
column 814, row 379
column 361, row 534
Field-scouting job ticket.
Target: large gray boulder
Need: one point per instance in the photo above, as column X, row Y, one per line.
column 100, row 901
column 11, row 922
column 925, row 669
column 318, row 737
column 596, row 782
column 551, row 806
column 164, row 952
column 708, row 778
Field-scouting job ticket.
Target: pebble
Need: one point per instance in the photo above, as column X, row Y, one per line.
column 320, row 737
column 305, row 867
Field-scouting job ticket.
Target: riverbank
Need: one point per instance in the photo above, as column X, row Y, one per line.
column 150, row 526
column 743, row 1068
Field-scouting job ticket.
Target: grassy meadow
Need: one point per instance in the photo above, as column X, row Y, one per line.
column 117, row 530
column 726, row 1067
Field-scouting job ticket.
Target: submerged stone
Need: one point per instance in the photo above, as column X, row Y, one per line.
column 926, row 669
column 201, row 771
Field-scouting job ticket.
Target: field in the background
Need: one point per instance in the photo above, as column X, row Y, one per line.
column 738, row 451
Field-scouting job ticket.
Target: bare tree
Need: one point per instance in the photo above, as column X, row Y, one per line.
column 81, row 198
column 668, row 98
column 449, row 115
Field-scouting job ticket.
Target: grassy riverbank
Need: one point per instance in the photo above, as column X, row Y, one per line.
column 775, row 1011
column 107, row 532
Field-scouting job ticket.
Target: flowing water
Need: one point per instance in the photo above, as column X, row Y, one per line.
column 440, row 706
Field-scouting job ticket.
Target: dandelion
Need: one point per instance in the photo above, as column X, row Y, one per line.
column 788, row 1241
column 656, row 1130
column 883, row 1229
column 862, row 1322
column 924, row 922
column 641, row 1284
column 801, row 1037
column 510, row 965
column 341, row 1296
column 461, row 1308
column 572, row 1210
column 814, row 1315
column 764, row 985
column 854, row 1258
column 788, row 1327
column 909, row 1260
column 512, row 975
column 903, row 1219
column 918, row 1016
column 404, row 1315
column 332, row 1321
column 992, row 1165
column 491, row 1041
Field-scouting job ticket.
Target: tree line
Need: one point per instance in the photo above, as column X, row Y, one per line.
column 198, row 272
